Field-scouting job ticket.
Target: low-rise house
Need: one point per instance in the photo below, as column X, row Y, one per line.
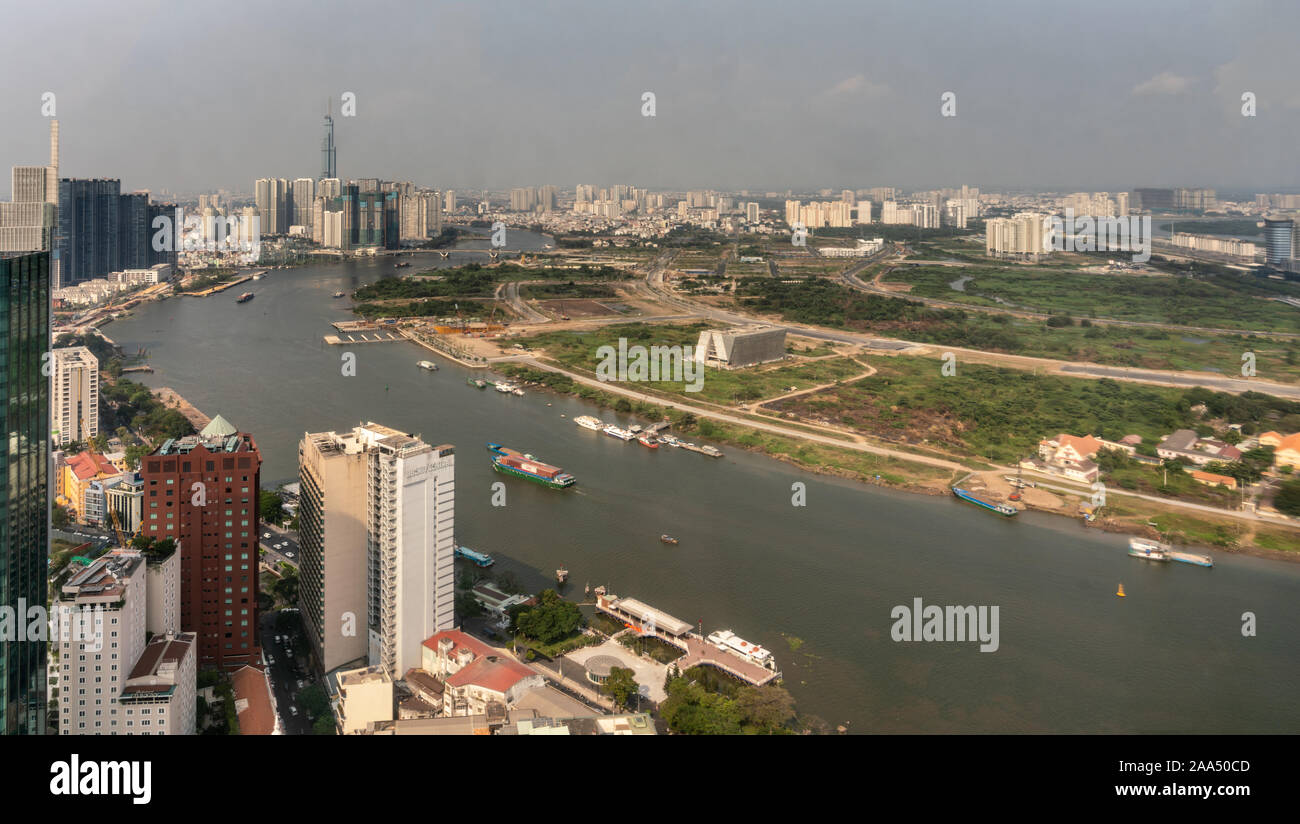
column 1186, row 444
column 1286, row 448
column 1071, row 456
column 365, row 697
column 496, row 602
column 473, row 674
column 1213, row 479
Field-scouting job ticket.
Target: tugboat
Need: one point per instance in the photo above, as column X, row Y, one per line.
column 668, row 539
column 244, row 298
column 645, row 440
column 561, row 574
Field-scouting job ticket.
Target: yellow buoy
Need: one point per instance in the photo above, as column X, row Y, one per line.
column 1121, row 591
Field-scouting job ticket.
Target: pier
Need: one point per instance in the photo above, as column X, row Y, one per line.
column 370, row 337
column 652, row 623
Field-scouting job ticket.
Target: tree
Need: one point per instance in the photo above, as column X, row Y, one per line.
column 621, row 686
column 1287, row 499
column 767, row 709
column 271, row 507
column 324, row 726
column 467, row 606
column 58, row 517
column 313, row 700
column 550, row 620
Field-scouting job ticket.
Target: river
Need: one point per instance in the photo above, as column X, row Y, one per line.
column 814, row 584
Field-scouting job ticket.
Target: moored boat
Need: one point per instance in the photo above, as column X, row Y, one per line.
column 1191, row 558
column 647, row 440
column 616, row 432
column 588, row 422
column 1151, row 550
column 480, row 558
column 561, row 575
column 1001, row 509
column 430, row 365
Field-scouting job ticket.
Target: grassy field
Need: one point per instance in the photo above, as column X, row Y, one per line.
column 1224, row 302
column 579, row 349
column 826, row 303
column 1000, row 414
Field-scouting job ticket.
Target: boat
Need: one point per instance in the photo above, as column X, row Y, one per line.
column 258, row 276
column 1120, row 592
column 729, row 641
column 338, row 294
column 480, row 558
column 561, row 575
column 668, row 539
column 1001, row 509
column 588, row 422
column 244, row 298
column 711, row 451
column 510, row 462
column 504, row 387
column 517, row 391
column 478, row 383
column 615, row 432
column 644, row 440
column 1151, row 550
column 1191, row 558
column 401, row 265
column 430, row 365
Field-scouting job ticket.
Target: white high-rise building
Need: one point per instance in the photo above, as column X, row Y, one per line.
column 1024, row 235
column 377, row 536
column 303, row 193
column 28, row 222
column 449, row 201
column 74, row 397
column 111, row 682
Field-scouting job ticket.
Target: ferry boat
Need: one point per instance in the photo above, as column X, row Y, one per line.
column 668, row 539
column 644, row 440
column 511, row 462
column 517, row 391
column 588, row 422
column 1001, row 509
column 728, row 641
column 1191, row 558
column 615, row 432
column 244, row 298
column 480, row 558
column 504, row 387
column 430, row 365
column 1151, row 550
column 711, row 451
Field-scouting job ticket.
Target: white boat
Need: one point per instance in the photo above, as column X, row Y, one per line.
column 1152, row 551
column 588, row 422
column 621, row 434
column 504, row 386
column 518, row 391
column 730, row 642
column 430, row 365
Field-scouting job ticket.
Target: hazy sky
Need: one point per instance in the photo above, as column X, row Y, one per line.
column 1097, row 96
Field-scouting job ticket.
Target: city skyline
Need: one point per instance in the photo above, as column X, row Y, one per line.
column 828, row 108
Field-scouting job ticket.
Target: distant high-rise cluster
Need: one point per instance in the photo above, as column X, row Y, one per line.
column 1021, row 236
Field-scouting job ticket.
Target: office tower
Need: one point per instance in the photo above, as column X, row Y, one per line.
column 74, row 402
column 1279, row 235
column 1153, row 200
column 450, row 205
column 111, row 680
column 133, row 231
column 751, row 212
column 328, row 152
column 89, row 234
column 24, row 498
column 377, row 517
column 302, row 196
column 202, row 490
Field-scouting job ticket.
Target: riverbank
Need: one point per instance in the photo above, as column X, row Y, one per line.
column 920, row 474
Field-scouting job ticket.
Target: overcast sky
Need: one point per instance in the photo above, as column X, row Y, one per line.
column 1099, row 96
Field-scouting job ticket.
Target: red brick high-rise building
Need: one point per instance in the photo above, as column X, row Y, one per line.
column 202, row 490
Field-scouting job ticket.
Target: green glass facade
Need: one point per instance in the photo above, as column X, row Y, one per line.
column 24, row 486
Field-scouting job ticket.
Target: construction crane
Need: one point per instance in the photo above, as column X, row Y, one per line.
column 117, row 527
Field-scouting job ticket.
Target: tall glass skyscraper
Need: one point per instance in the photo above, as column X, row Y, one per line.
column 328, row 165
column 24, row 483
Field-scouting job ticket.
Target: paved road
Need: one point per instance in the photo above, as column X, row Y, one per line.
column 279, row 545
column 509, row 292
column 285, row 675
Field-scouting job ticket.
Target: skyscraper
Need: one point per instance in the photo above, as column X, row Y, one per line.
column 28, row 223
column 89, row 236
column 202, row 490
column 377, row 519
column 75, row 401
column 1278, row 232
column 328, row 156
column 24, row 498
